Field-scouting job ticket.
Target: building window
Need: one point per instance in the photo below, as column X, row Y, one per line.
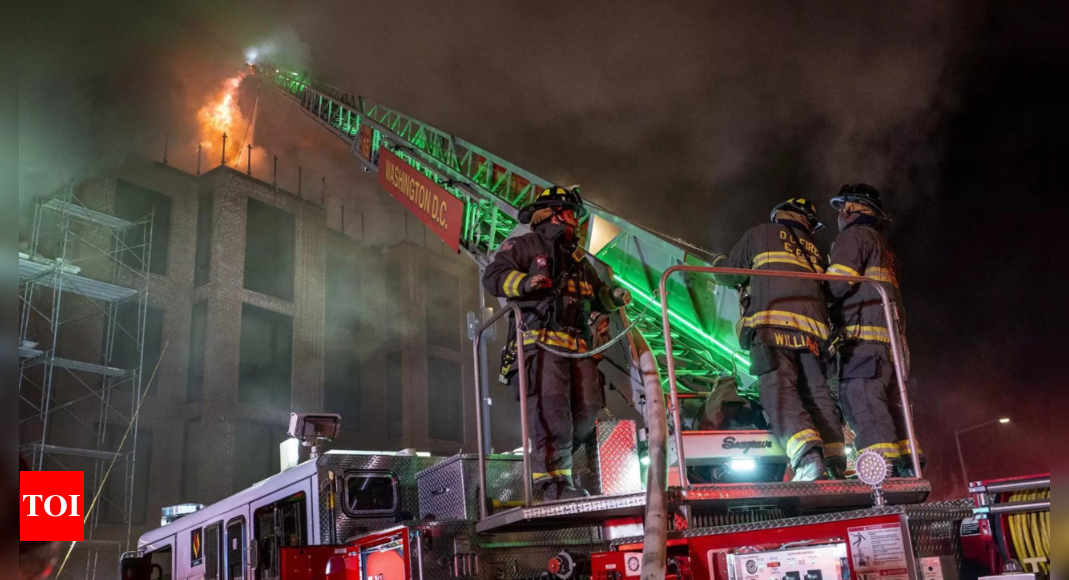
column 125, row 353
column 266, row 359
column 256, row 455
column 203, row 257
column 395, row 396
column 270, row 243
column 191, row 462
column 445, row 400
column 133, row 203
column 113, row 500
column 442, row 309
column 198, row 343
column 341, row 387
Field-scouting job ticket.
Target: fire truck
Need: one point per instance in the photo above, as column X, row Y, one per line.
column 681, row 494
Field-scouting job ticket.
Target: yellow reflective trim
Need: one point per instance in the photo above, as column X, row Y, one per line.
column 788, row 320
column 513, row 283
column 800, row 439
column 561, row 472
column 870, row 333
column 882, row 275
column 783, row 258
column 834, row 450
column 903, row 446
column 555, row 338
column 537, row 476
column 587, row 289
column 841, row 270
column 888, row 450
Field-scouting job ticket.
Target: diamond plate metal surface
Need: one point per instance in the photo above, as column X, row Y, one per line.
column 450, row 490
column 564, row 513
column 404, row 468
column 618, row 464
column 818, row 495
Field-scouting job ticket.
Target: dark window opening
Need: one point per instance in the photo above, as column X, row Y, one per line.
column 270, row 244
column 133, row 203
column 125, row 353
column 341, row 387
column 113, row 499
column 266, row 359
column 342, row 301
column 445, row 399
column 235, row 550
column 256, row 453
column 198, row 344
column 203, row 257
column 442, row 309
column 371, row 494
column 191, row 462
column 279, row 525
column 395, row 396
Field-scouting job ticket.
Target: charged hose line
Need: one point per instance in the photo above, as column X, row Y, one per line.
column 581, row 355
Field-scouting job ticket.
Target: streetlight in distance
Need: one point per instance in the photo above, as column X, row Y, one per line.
column 960, row 432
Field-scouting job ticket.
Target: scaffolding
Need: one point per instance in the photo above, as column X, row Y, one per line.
column 78, row 407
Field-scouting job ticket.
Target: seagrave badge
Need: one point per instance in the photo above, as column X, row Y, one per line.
column 52, row 506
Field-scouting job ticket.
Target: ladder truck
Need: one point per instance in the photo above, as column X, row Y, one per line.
column 724, row 511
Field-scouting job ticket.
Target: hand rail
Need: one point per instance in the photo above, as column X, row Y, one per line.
column 521, row 361
column 896, row 349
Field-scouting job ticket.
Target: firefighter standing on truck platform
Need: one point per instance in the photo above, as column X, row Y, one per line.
column 785, row 328
column 545, row 273
column 868, row 388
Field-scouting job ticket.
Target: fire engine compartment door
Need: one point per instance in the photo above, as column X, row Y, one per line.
column 278, row 520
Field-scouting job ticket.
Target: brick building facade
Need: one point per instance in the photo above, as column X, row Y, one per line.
column 261, row 310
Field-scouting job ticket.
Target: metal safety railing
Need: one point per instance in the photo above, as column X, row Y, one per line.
column 521, row 361
column 896, row 349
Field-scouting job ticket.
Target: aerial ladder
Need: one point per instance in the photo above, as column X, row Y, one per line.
column 493, row 190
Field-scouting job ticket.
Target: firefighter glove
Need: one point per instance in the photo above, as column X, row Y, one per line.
column 621, row 296
column 535, row 283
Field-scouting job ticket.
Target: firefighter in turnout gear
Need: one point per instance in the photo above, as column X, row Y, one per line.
column 785, row 328
column 868, row 387
column 546, row 274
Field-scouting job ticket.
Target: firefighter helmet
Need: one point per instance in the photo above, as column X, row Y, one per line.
column 863, row 194
column 801, row 206
column 554, row 197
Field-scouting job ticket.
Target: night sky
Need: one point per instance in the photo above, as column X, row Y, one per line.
column 692, row 118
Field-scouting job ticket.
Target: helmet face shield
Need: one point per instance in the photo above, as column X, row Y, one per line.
column 863, row 194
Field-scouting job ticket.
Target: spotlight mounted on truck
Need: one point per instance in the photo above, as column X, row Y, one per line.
column 314, row 429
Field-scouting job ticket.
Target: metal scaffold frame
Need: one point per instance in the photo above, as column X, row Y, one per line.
column 82, row 264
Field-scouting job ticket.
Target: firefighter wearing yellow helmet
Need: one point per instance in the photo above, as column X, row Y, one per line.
column 546, row 274
column 785, row 328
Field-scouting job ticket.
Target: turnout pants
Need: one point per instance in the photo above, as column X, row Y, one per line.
column 563, row 401
column 869, row 392
column 799, row 403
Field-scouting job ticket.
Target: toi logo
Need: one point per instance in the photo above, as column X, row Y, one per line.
column 52, row 506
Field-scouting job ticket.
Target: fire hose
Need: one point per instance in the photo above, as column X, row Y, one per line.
column 1030, row 532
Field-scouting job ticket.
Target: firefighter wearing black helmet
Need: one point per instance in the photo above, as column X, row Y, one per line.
column 785, row 327
column 867, row 387
column 546, row 274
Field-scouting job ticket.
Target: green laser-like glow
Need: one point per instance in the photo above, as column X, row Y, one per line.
column 687, row 323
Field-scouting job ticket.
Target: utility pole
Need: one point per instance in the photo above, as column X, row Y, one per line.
column 275, row 182
column 249, row 160
column 300, row 180
column 223, row 162
column 199, row 148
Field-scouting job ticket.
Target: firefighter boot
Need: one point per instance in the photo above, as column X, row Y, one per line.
column 904, row 468
column 561, row 491
column 811, row 467
column 837, row 471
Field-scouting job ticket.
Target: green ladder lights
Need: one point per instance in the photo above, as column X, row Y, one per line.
column 494, row 189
